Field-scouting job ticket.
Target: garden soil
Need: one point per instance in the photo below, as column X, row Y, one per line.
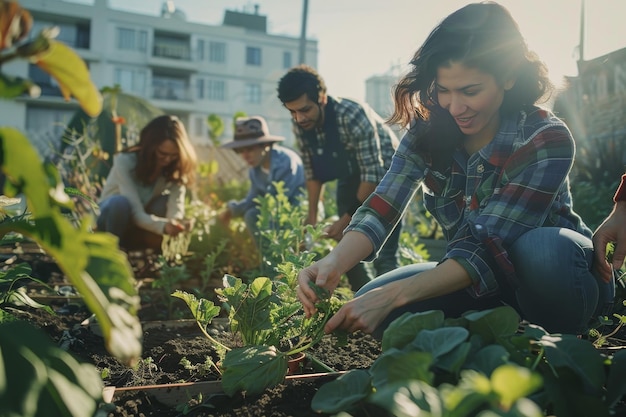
column 166, row 343
column 163, row 348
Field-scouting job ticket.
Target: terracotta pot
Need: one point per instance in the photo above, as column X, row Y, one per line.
column 296, row 363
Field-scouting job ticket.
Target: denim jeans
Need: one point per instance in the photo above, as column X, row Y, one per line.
column 115, row 217
column 556, row 287
column 387, row 259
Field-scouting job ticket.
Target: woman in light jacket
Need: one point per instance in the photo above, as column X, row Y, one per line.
column 144, row 194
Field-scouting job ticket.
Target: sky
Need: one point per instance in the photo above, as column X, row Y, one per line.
column 361, row 38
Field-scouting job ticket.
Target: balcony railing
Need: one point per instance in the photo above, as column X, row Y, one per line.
column 164, row 50
column 168, row 93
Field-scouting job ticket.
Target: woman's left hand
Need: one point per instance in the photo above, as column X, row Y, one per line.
column 365, row 312
column 173, row 227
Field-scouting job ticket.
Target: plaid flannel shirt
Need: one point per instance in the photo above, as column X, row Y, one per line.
column 363, row 132
column 483, row 202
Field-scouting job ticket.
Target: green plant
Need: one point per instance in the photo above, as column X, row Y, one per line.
column 283, row 237
column 479, row 365
column 170, row 276
column 216, row 128
column 267, row 316
column 36, row 377
column 11, row 291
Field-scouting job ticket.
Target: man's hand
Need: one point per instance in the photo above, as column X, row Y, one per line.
column 224, row 216
column 335, row 230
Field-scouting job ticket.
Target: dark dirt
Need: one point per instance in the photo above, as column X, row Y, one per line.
column 164, row 347
column 165, row 343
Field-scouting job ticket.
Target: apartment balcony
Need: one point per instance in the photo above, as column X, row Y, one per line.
column 172, row 53
column 171, row 94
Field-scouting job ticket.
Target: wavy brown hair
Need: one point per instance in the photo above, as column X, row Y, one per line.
column 167, row 127
column 483, row 36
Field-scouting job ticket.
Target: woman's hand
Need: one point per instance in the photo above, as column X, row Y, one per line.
column 324, row 274
column 365, row 312
column 327, row 272
column 173, row 227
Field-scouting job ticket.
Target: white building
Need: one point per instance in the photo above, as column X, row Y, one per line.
column 379, row 94
column 184, row 68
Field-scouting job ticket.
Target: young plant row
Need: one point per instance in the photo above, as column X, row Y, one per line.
column 482, row 365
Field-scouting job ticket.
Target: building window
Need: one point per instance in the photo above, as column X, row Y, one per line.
column 253, row 56
column 200, row 50
column 131, row 80
column 287, row 59
column 169, row 88
column 216, row 90
column 200, row 88
column 253, row 93
column 132, row 40
column 74, row 35
column 217, row 52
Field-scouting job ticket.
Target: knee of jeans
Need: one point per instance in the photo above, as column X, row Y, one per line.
column 116, row 204
column 548, row 250
column 397, row 274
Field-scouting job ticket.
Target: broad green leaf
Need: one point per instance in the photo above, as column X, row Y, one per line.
column 512, row 382
column 45, row 380
column 580, row 356
column 464, row 399
column 19, row 298
column 494, row 324
column 616, row 383
column 522, row 408
column 253, row 369
column 72, row 74
column 440, row 341
column 402, row 330
column 78, row 252
column 566, row 395
column 487, row 359
column 396, row 365
column 204, row 311
column 27, row 170
column 24, row 370
column 453, row 361
column 343, row 393
column 409, row 399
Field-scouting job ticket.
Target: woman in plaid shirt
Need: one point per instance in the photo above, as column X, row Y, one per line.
column 494, row 169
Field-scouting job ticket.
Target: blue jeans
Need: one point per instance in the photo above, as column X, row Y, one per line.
column 115, row 217
column 556, row 287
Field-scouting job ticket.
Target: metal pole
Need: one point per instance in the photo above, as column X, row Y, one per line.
column 305, row 9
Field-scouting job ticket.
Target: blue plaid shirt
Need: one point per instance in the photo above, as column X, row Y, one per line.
column 362, row 132
column 484, row 201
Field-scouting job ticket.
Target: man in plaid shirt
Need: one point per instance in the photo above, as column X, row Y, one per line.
column 341, row 140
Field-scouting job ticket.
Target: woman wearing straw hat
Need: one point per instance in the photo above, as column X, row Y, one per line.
column 269, row 163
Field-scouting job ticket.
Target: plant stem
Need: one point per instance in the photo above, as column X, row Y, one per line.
column 208, row 336
column 319, row 364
